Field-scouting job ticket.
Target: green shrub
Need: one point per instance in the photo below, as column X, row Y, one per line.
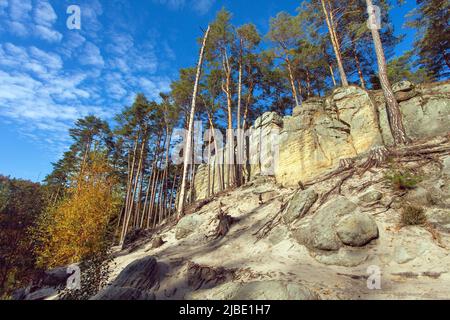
column 402, row 180
column 412, row 215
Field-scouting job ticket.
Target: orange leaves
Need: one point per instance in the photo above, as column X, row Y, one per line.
column 77, row 226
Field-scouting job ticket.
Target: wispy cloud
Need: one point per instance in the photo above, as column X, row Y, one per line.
column 92, row 56
column 201, row 7
column 95, row 70
column 23, row 19
column 172, row 4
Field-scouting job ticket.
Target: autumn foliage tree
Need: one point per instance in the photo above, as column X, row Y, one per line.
column 78, row 226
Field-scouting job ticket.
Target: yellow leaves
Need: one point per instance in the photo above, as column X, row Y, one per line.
column 77, row 226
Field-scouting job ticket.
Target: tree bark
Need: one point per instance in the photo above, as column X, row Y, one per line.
column 216, row 154
column 239, row 154
column 129, row 187
column 335, row 43
column 188, row 150
column 392, row 106
column 358, row 67
column 292, row 81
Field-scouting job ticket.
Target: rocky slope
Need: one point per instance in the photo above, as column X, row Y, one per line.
column 318, row 220
column 288, row 243
column 348, row 123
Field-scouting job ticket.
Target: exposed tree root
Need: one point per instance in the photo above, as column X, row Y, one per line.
column 271, row 223
column 201, row 275
column 196, row 206
column 435, row 234
column 388, row 206
column 380, row 157
column 377, row 156
column 336, row 189
column 225, row 222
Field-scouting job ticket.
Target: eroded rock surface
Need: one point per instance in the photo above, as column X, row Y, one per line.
column 134, row 282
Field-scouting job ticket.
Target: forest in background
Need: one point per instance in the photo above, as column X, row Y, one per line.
column 116, row 178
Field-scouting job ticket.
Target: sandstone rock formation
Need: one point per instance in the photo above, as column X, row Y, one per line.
column 299, row 241
column 321, row 132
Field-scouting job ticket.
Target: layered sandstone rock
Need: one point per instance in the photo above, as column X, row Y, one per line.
column 321, row 132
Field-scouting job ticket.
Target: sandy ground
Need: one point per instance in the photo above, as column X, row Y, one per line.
column 413, row 265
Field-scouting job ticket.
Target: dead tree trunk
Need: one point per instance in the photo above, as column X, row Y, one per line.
column 188, row 150
column 332, row 74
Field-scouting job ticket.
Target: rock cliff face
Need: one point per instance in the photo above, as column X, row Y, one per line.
column 287, row 243
column 321, row 132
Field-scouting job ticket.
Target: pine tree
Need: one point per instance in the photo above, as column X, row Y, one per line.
column 392, row 106
column 285, row 33
column 431, row 19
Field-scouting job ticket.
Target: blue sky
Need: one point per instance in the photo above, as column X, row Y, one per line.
column 50, row 75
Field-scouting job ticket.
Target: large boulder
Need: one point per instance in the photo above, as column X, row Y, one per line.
column 345, row 92
column 55, row 278
column 299, row 205
column 371, row 196
column 48, row 285
column 134, row 282
column 273, row 290
column 309, row 107
column 321, row 132
column 323, row 224
column 357, row 229
column 187, row 225
column 345, row 257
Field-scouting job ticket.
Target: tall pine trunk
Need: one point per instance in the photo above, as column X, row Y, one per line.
column 292, row 80
column 392, row 106
column 334, row 41
column 188, row 148
column 358, row 67
column 239, row 135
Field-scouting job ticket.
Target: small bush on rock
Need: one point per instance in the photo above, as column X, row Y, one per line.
column 402, row 180
column 412, row 215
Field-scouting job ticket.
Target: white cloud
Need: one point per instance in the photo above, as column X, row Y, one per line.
column 47, row 34
column 127, row 57
column 91, row 10
column 172, row 4
column 91, row 56
column 120, row 43
column 37, row 93
column 199, row 6
column 41, row 64
column 72, row 44
column 202, row 6
column 153, row 86
column 44, row 14
column 22, row 19
column 44, row 91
